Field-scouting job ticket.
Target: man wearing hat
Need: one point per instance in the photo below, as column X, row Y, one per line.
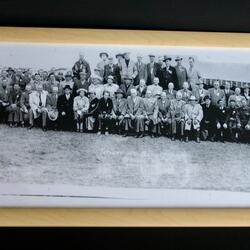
column 92, row 115
column 52, row 82
column 233, row 121
column 80, row 107
column 151, row 112
column 81, row 66
column 199, row 92
column 155, row 89
column 127, row 85
column 216, row 93
column 105, row 113
column 82, row 83
column 186, row 93
column 104, row 61
column 110, row 86
column 237, row 97
column 221, row 120
column 208, row 123
column 25, row 104
column 246, row 93
column 193, row 74
column 193, row 117
column 141, row 69
column 112, row 69
column 96, row 86
column 68, row 81
column 4, row 93
column 135, row 116
column 177, row 116
column 118, row 112
column 244, row 120
column 128, row 67
column 181, row 73
column 152, row 68
column 65, row 109
column 168, row 73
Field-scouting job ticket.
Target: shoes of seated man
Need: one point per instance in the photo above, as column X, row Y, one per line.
column 30, row 126
column 106, row 133
column 99, row 133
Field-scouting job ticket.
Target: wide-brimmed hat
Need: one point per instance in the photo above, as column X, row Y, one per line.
column 178, row 58
column 151, row 55
column 10, row 69
column 103, row 53
column 192, row 98
column 119, row 91
column 67, row 87
column 165, row 58
column 53, row 115
column 119, row 54
column 110, row 77
column 81, row 89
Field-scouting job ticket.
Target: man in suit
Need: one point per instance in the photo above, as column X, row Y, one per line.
column 221, row 120
column 118, row 112
column 186, row 93
column 68, row 81
column 127, row 85
column 141, row 69
column 193, row 117
column 216, row 93
column 151, row 113
column 101, row 65
column 110, row 86
column 199, row 92
column 25, row 105
column 82, row 83
column 208, row 123
column 244, row 119
column 168, row 73
column 170, row 92
column 246, row 93
column 164, row 119
column 38, row 106
column 128, row 67
column 52, row 82
column 105, row 114
column 193, row 74
column 65, row 109
column 155, row 89
column 237, row 97
column 13, row 109
column 80, row 107
column 81, row 66
column 135, row 115
column 4, row 93
column 51, row 106
column 181, row 73
column 177, row 116
column 152, row 68
column 228, row 92
column 96, row 86
column 141, row 88
column 112, row 69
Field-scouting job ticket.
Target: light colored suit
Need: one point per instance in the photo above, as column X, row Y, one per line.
column 216, row 95
column 34, row 102
column 193, row 116
column 129, row 70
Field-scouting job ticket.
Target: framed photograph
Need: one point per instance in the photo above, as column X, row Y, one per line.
column 132, row 120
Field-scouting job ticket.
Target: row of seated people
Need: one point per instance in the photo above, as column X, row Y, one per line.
column 155, row 114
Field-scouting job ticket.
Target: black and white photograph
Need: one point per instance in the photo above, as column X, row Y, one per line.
column 93, row 125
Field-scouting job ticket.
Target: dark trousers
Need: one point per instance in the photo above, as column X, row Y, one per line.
column 104, row 123
column 136, row 124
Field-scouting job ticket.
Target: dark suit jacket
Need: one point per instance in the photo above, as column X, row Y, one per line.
column 167, row 76
column 140, row 92
column 209, row 113
column 114, row 71
column 80, row 67
column 25, row 100
column 14, row 97
column 126, row 89
column 221, row 115
column 105, row 107
column 78, row 85
column 64, row 105
column 121, row 107
column 93, row 107
column 142, row 73
column 154, row 73
column 227, row 95
column 163, row 108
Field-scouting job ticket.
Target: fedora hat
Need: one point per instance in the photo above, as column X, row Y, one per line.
column 119, row 91
column 52, row 115
column 81, row 89
column 67, row 87
column 10, row 69
column 151, row 55
column 178, row 58
column 119, row 54
column 103, row 53
column 192, row 98
column 165, row 58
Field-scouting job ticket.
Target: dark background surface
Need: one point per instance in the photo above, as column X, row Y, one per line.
column 209, row 15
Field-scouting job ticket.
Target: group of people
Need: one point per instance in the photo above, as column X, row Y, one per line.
column 158, row 98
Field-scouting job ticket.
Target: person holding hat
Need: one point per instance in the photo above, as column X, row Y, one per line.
column 167, row 73
column 244, row 120
column 221, row 120
column 155, row 89
column 25, row 104
column 105, row 114
column 216, row 93
column 110, row 86
column 112, row 69
column 82, row 83
column 177, row 116
column 237, row 97
column 118, row 112
column 199, row 92
column 81, row 66
column 128, row 67
column 193, row 117
column 104, row 61
column 186, row 93
column 92, row 115
column 181, row 73
column 233, row 121
column 96, row 86
column 127, row 85
column 193, row 74
column 151, row 112
column 80, row 107
column 152, row 68
column 65, row 109
column 208, row 123
column 141, row 69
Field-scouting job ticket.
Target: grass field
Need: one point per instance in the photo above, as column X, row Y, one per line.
column 113, row 161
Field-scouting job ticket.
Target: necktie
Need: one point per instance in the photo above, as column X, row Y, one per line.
column 40, row 100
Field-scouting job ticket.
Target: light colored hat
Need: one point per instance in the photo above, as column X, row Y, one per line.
column 53, row 115
column 178, row 58
column 192, row 98
column 81, row 89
